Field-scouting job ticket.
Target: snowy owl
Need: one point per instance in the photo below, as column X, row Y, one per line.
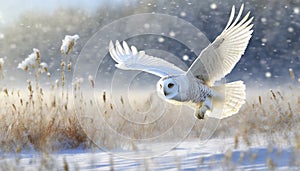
column 195, row 87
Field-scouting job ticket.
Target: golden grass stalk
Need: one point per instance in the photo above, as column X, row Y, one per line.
column 91, row 79
column 5, row 91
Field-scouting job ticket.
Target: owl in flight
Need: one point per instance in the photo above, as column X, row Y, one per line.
column 195, row 87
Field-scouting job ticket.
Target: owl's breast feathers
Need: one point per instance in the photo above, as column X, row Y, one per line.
column 198, row 92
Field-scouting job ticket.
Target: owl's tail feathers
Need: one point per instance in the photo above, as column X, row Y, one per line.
column 233, row 96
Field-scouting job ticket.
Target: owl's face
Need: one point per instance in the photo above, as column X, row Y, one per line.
column 168, row 87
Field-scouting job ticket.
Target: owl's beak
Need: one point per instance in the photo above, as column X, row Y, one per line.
column 165, row 93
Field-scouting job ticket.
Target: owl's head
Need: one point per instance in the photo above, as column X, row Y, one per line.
column 168, row 87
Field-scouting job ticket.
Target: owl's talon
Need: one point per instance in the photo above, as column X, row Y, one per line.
column 200, row 113
column 199, row 116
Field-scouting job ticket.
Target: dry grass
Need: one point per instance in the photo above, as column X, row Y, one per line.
column 45, row 120
column 35, row 120
column 273, row 115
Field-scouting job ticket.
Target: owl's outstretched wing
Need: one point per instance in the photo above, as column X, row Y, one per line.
column 132, row 59
column 220, row 57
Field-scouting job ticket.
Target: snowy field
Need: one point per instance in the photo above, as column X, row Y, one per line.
column 216, row 154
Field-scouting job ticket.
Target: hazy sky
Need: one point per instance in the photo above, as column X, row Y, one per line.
column 11, row 9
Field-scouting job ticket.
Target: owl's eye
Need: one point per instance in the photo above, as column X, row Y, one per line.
column 170, row 85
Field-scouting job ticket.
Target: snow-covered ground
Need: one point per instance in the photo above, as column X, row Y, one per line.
column 215, row 154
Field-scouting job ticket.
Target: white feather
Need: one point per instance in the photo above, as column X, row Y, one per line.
column 220, row 57
column 132, row 59
column 234, row 97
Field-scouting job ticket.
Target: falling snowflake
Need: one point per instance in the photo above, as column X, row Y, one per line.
column 182, row 14
column 185, row 57
column 268, row 74
column 161, row 39
column 290, row 29
column 296, row 10
column 172, row 34
column 213, row 6
column 263, row 20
